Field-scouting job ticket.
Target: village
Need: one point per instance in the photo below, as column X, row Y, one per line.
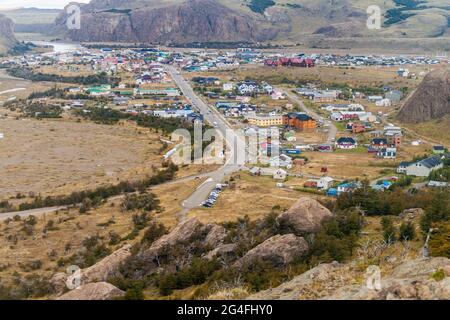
column 321, row 130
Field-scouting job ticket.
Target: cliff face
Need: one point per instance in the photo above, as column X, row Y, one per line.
column 7, row 38
column 190, row 21
column 430, row 101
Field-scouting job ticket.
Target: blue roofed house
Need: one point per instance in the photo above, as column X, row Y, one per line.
column 348, row 187
column 423, row 167
column 346, row 143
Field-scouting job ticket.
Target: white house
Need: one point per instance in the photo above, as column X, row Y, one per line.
column 422, row 168
column 325, row 183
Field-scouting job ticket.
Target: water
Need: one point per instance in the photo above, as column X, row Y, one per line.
column 59, row 47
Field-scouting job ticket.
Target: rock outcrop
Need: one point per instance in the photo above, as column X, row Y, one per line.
column 103, row 269
column 94, row 291
column 305, row 216
column 423, row 279
column 170, row 22
column 176, row 247
column 226, row 252
column 215, row 236
column 431, row 100
column 279, row 250
column 7, row 37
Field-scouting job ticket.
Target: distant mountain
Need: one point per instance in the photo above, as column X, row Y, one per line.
column 32, row 20
column 431, row 100
column 7, row 38
column 185, row 21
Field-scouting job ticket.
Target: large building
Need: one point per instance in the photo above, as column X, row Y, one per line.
column 265, row 121
column 421, row 168
column 299, row 121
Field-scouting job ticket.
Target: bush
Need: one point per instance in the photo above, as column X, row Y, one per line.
column 407, row 232
column 389, row 231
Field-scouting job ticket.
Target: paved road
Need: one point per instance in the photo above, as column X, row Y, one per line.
column 42, row 211
column 213, row 117
column 332, row 129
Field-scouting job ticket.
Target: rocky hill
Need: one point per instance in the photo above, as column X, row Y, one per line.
column 430, row 101
column 186, row 21
column 7, row 38
column 423, row 279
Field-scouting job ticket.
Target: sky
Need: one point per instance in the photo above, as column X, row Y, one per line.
column 10, row 4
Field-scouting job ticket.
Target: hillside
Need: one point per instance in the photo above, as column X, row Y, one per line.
column 7, row 38
column 430, row 101
column 177, row 21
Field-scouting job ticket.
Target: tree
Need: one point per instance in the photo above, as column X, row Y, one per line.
column 407, row 231
column 389, row 230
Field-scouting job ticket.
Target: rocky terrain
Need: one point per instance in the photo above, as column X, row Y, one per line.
column 423, row 279
column 183, row 22
column 7, row 38
column 431, row 100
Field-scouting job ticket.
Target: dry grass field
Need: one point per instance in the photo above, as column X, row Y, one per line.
column 249, row 195
column 61, row 156
column 18, row 250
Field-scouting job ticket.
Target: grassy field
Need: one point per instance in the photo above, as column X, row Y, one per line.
column 60, row 156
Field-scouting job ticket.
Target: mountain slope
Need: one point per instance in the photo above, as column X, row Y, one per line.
column 430, row 101
column 32, row 20
column 184, row 21
column 7, row 38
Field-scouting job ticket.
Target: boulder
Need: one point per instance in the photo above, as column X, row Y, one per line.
column 103, row 269
column 93, row 291
column 279, row 250
column 184, row 232
column 58, row 282
column 411, row 279
column 225, row 251
column 411, row 214
column 215, row 236
column 305, row 216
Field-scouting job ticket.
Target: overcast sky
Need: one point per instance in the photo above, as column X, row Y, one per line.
column 8, row 4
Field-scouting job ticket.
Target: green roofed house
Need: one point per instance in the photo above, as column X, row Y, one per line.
column 102, row 90
column 169, row 92
column 438, row 149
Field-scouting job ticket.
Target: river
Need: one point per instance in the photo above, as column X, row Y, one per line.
column 59, row 47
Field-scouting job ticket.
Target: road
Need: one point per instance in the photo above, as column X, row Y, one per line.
column 213, row 117
column 41, row 211
column 332, row 129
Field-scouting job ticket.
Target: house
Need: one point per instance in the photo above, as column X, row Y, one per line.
column 280, row 174
column 378, row 143
column 277, row 174
column 356, row 127
column 281, row 161
column 247, row 88
column 423, row 167
column 346, row 143
column 264, row 121
column 402, row 166
column 227, row 87
column 325, row 183
column 394, row 96
column 383, row 103
column 387, row 153
column 382, row 185
column 325, row 148
column 438, row 149
column 299, row 121
column 374, row 98
column 348, row 187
